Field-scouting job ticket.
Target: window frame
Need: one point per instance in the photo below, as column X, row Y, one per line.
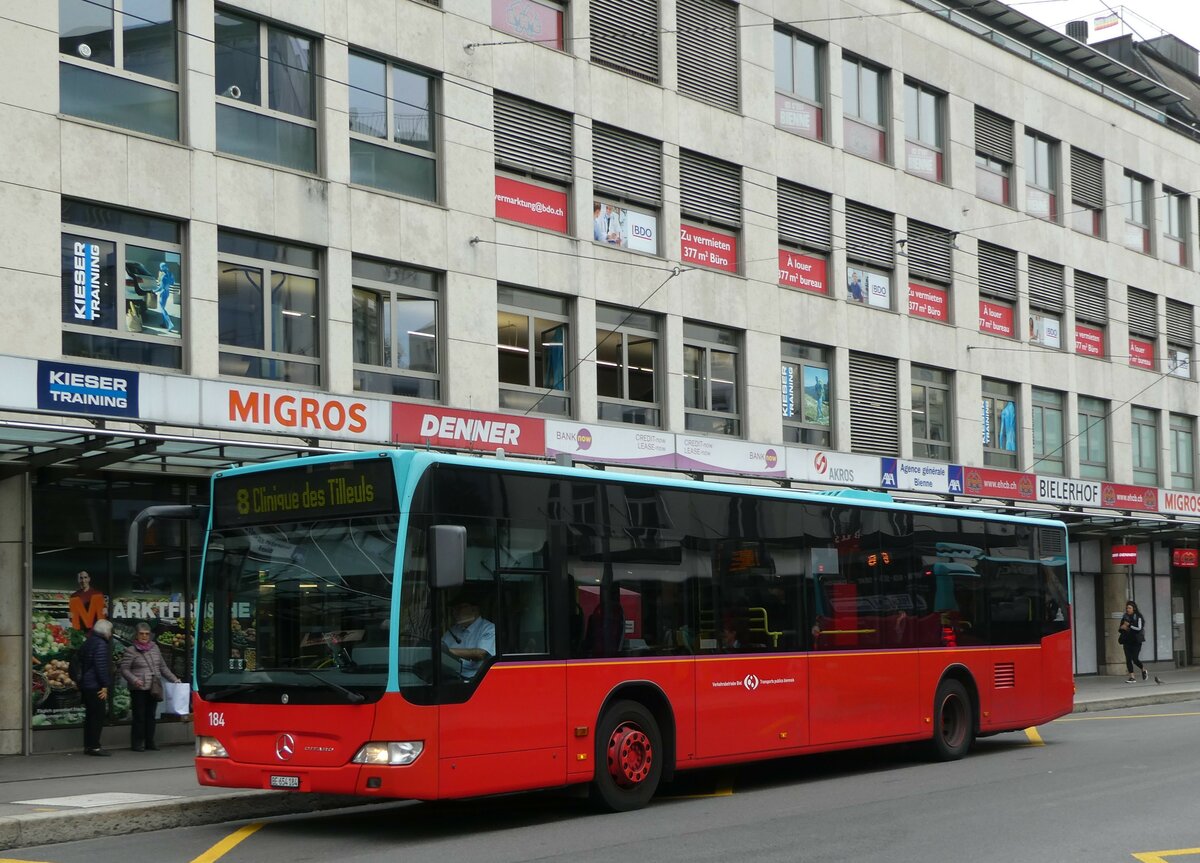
column 1175, row 226
column 854, row 120
column 1032, row 168
column 1045, row 402
column 397, row 293
column 939, row 119
column 268, row 269
column 1180, row 427
column 818, row 101
column 615, row 322
column 262, row 107
column 1143, row 445
column 924, row 380
column 525, row 396
column 388, row 141
column 1138, row 191
column 997, row 396
column 801, row 356
column 706, row 339
column 1092, row 414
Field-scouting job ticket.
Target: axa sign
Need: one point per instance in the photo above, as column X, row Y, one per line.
column 473, row 430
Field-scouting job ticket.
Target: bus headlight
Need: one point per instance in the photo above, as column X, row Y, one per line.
column 393, row 753
column 210, row 747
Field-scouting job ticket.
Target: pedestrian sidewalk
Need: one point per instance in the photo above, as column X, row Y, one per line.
column 58, row 797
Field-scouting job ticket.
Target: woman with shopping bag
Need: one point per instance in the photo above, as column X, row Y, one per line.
column 143, row 668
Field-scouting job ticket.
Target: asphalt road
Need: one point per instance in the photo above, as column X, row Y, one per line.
column 1091, row 787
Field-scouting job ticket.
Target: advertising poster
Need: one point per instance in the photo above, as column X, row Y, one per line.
column 609, row 444
column 531, row 205
column 996, row 319
column 816, row 395
column 1134, row 497
column 1141, row 353
column 922, row 161
column 802, row 271
column 863, row 286
column 153, row 292
column 89, row 274
column 1089, row 341
column 624, row 228
column 926, row 301
column 706, row 248
column 787, row 391
column 999, row 424
column 530, row 20
column 1005, row 484
column 712, row 455
column 1179, row 363
column 1045, row 330
column 799, row 118
column 89, row 390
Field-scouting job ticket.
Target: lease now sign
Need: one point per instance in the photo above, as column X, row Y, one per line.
column 473, row 430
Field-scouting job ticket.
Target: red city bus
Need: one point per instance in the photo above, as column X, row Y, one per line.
column 418, row 625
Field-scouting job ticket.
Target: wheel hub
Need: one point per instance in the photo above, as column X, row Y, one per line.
column 630, row 755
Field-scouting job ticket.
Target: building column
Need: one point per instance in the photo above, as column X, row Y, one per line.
column 14, row 616
column 1115, row 592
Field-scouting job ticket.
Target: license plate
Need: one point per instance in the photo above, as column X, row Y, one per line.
column 285, row 781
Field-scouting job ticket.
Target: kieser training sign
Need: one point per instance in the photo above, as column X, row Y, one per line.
column 63, row 387
column 473, row 430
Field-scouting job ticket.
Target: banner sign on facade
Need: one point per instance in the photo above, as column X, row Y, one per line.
column 1068, row 492
column 301, row 414
column 707, row 248
column 1133, row 497
column 89, row 390
column 833, row 468
column 1141, row 353
column 1089, row 341
column 901, row 475
column 471, row 430
column 802, row 271
column 797, row 117
column 624, row 228
column 1185, row 558
column 996, row 319
column 636, row 447
column 1124, row 555
column 1178, row 502
column 926, row 301
column 1005, row 484
column 531, row 205
column 715, row 455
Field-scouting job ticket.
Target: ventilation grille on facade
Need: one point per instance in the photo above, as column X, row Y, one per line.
column 805, row 216
column 1143, row 313
column 874, row 406
column 709, row 189
column 1045, row 285
column 626, row 166
column 993, row 135
column 532, row 138
column 929, row 253
column 708, row 51
column 998, row 272
column 1004, row 675
column 1091, row 298
column 624, row 36
column 1053, row 543
column 1087, row 179
column 870, row 236
column 1180, row 329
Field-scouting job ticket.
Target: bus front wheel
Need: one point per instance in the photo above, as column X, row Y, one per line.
column 953, row 721
column 629, row 757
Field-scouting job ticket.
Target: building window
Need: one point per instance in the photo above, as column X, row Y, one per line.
column 1046, row 303
column 396, row 330
column 1181, row 337
column 1183, row 452
column 1144, row 436
column 627, row 182
column 870, row 255
column 265, row 92
column 1087, row 192
column 710, row 206
column 627, row 366
column 874, row 405
column 710, row 379
column 1000, row 415
column 1041, row 177
column 805, row 396
column 1138, row 193
column 269, row 312
column 931, row 413
column 624, row 35
column 122, row 74
column 538, row 21
column 532, row 344
column 1175, row 226
column 993, row 157
column 1048, row 438
column 930, row 270
column 805, row 219
column 1091, row 314
column 924, row 150
column 864, row 100
column 799, row 90
column 997, row 290
column 707, row 42
column 122, row 276
column 534, row 154
column 1093, row 438
column 392, row 140
column 1142, row 310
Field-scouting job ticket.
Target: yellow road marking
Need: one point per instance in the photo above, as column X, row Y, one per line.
column 14, row 860
column 1139, row 716
column 1035, row 739
column 228, row 843
column 1161, row 856
column 720, row 792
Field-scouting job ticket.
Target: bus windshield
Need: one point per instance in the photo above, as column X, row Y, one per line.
column 302, row 605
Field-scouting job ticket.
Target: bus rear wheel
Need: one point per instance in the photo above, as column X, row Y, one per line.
column 629, row 757
column 953, row 721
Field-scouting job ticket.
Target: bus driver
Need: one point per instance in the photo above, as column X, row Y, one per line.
column 470, row 637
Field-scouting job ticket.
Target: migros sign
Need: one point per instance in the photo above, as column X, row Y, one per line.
column 299, row 413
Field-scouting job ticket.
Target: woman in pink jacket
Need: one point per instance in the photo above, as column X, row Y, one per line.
column 141, row 665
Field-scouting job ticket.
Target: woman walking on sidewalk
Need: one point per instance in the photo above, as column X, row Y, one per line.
column 1133, row 633
column 143, row 668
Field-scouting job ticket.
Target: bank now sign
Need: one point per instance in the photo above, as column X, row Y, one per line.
column 472, row 430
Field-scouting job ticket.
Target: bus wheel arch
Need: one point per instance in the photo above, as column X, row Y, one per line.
column 635, row 744
column 955, row 714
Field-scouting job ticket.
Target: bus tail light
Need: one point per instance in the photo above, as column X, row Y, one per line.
column 210, row 747
column 392, row 753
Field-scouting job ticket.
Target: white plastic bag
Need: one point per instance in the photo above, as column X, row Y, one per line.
column 177, row 698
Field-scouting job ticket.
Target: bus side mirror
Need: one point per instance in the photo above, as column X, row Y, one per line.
column 448, row 549
column 137, row 528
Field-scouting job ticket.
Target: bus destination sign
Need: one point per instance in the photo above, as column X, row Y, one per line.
column 331, row 490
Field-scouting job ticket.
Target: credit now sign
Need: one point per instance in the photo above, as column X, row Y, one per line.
column 474, row 430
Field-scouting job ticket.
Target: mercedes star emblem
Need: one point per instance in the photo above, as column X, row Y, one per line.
column 285, row 747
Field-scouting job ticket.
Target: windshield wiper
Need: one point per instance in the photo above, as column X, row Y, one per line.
column 222, row 694
column 351, row 696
